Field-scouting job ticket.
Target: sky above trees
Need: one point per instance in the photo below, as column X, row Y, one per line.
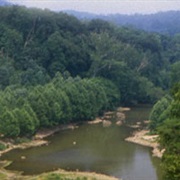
column 104, row 6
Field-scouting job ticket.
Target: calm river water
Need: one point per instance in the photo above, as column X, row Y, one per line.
column 92, row 148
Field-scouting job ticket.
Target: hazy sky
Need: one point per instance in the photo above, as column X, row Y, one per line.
column 105, row 6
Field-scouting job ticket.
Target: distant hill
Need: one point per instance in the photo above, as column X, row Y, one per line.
column 162, row 22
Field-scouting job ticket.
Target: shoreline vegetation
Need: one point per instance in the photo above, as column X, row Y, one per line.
column 57, row 174
column 57, row 69
column 141, row 137
column 39, row 140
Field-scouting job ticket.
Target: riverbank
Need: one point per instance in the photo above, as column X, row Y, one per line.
column 39, row 140
column 58, row 174
column 72, row 175
column 142, row 137
column 43, row 133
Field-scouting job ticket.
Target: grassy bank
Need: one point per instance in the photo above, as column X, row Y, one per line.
column 55, row 175
column 38, row 140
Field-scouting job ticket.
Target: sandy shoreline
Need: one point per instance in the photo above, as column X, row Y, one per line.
column 75, row 174
column 141, row 137
column 57, row 174
column 33, row 143
column 43, row 133
column 38, row 140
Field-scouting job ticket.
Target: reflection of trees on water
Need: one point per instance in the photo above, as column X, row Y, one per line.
column 88, row 148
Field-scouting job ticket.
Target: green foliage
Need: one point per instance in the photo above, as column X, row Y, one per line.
column 54, row 176
column 2, row 146
column 36, row 44
column 169, row 139
column 159, row 113
column 169, row 132
column 175, row 72
column 9, row 125
column 20, row 140
column 98, row 26
column 27, row 123
column 55, row 69
column 10, row 41
column 111, row 91
column 146, row 91
column 171, row 164
column 63, row 100
column 175, row 106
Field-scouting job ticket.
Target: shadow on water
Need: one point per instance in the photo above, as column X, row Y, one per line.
column 92, row 148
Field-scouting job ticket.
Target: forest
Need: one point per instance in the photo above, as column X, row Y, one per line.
column 56, row 69
column 161, row 22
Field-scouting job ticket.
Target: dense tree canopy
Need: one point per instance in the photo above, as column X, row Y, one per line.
column 169, row 138
column 165, row 119
column 57, row 69
column 161, row 22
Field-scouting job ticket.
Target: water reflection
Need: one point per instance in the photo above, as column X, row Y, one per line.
column 90, row 148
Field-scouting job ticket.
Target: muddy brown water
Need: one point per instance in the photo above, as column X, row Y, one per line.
column 92, row 148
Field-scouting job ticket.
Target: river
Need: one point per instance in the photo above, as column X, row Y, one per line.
column 92, row 148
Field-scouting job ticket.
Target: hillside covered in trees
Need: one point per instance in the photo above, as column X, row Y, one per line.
column 56, row 69
column 53, row 67
column 165, row 120
column 161, row 22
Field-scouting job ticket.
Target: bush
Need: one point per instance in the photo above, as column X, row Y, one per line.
column 2, row 146
column 159, row 112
